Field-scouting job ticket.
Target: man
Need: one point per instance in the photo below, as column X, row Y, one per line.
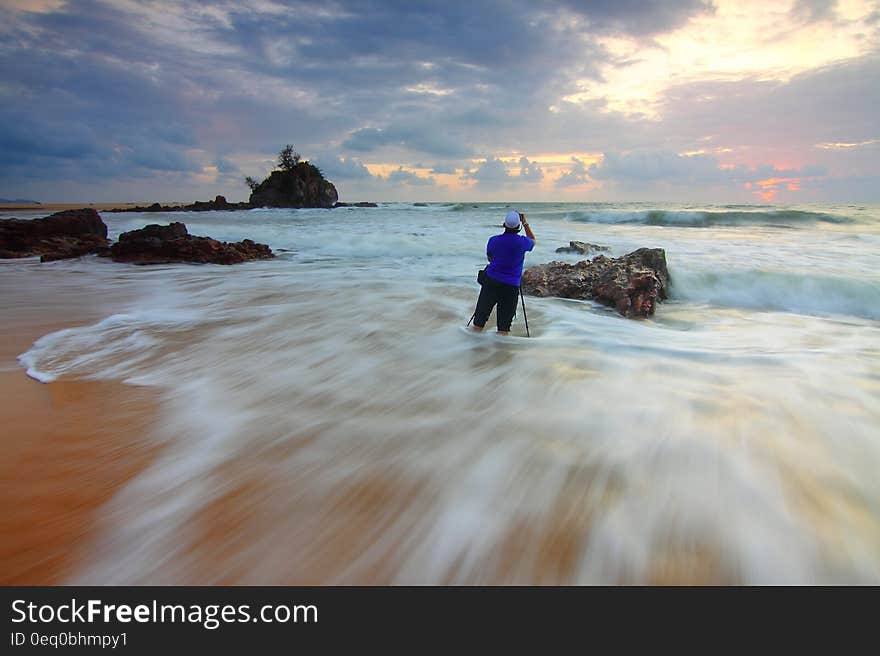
column 506, row 253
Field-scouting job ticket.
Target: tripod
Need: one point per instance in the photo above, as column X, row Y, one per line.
column 525, row 318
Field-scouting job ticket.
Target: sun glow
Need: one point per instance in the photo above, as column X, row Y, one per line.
column 769, row 188
column 746, row 39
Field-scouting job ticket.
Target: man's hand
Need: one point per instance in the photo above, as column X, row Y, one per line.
column 529, row 233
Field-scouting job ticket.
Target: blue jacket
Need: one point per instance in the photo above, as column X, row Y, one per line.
column 506, row 253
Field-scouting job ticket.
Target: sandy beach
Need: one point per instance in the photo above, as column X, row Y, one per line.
column 68, row 446
column 72, row 446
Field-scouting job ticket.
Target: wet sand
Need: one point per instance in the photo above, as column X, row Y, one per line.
column 67, row 446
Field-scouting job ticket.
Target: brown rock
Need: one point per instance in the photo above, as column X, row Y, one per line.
column 66, row 234
column 218, row 204
column 158, row 244
column 633, row 284
column 580, row 247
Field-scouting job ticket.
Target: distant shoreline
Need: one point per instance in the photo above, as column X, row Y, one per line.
column 57, row 207
column 49, row 208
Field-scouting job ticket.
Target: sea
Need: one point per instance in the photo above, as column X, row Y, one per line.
column 326, row 416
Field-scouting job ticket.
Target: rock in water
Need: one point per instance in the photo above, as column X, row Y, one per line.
column 633, row 284
column 158, row 244
column 66, row 234
column 581, row 247
column 302, row 186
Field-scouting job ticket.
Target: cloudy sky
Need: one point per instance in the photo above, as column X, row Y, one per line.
column 721, row 101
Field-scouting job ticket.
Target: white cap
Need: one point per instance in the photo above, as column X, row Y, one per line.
column 512, row 219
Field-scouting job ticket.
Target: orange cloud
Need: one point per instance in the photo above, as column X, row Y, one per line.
column 769, row 187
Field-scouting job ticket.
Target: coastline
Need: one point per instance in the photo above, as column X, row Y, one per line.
column 49, row 208
column 70, row 446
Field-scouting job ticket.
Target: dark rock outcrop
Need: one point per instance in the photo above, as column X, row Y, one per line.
column 580, row 247
column 633, row 284
column 218, row 204
column 62, row 235
column 158, row 244
column 361, row 204
column 301, row 186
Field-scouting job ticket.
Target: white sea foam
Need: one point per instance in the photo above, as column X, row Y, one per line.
column 734, row 434
column 782, row 291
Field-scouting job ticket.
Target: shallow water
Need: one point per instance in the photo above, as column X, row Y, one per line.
column 327, row 418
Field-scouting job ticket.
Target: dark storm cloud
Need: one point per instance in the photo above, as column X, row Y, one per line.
column 416, row 138
column 335, row 167
column 639, row 17
column 834, row 103
column 230, row 76
column 225, row 166
column 813, row 10
column 402, row 176
column 652, row 170
column 647, row 167
column 74, row 109
column 529, row 171
column 491, row 173
column 576, row 175
column 443, row 169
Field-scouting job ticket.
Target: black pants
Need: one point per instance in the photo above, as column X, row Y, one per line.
column 496, row 292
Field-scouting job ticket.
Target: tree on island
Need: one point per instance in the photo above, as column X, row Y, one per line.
column 294, row 183
column 288, row 158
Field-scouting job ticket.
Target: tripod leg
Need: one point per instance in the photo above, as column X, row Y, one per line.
column 521, row 298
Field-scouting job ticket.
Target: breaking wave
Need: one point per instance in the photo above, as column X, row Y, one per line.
column 780, row 291
column 704, row 219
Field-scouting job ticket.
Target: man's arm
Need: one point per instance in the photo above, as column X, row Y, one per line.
column 529, row 233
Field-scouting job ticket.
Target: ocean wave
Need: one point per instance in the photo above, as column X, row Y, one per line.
column 780, row 291
column 704, row 218
column 486, row 207
column 111, row 348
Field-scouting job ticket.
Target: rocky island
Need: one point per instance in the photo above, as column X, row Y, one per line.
column 295, row 183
